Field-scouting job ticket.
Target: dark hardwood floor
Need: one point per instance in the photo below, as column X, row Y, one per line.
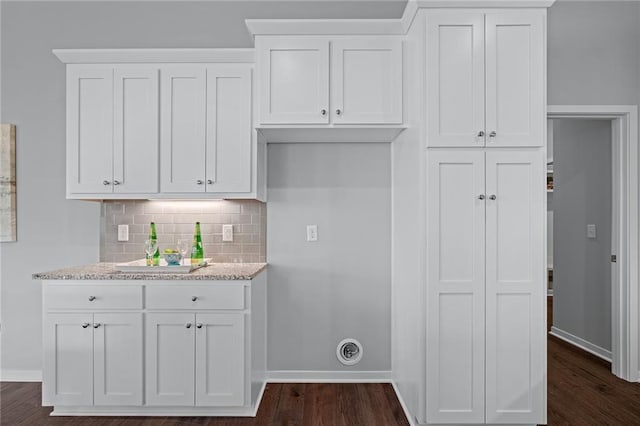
column 283, row 404
column 581, row 391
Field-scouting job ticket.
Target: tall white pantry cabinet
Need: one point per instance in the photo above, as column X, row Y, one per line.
column 482, row 128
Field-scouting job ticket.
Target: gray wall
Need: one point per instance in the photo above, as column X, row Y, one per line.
column 54, row 232
column 322, row 292
column 582, row 195
column 594, row 53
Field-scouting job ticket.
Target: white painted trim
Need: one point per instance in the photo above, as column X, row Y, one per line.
column 115, row 56
column 20, row 375
column 409, row 14
column 581, row 343
column 263, row 27
column 625, row 351
column 484, row 3
column 405, row 409
column 259, row 399
column 303, row 376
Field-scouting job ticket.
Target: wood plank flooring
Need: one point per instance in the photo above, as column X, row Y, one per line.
column 317, row 404
column 581, row 391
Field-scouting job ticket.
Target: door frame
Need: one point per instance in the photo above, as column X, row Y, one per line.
column 624, row 291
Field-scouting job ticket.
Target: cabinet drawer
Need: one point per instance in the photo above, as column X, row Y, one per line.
column 221, row 296
column 93, row 297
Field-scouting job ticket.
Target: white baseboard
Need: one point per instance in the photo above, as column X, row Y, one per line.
column 581, row 343
column 302, row 376
column 407, row 413
column 20, row 375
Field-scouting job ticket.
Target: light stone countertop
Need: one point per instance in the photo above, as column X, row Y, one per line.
column 108, row 271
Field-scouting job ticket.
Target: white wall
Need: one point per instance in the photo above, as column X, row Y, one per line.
column 54, row 232
column 582, row 195
column 339, row 286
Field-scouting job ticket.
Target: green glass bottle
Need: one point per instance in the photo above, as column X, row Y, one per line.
column 197, row 252
column 155, row 259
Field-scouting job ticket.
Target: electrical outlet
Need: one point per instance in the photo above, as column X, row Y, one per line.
column 123, row 232
column 227, row 232
column 312, row 232
column 591, row 231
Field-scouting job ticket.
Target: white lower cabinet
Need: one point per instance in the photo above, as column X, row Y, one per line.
column 195, row 359
column 485, row 287
column 93, row 359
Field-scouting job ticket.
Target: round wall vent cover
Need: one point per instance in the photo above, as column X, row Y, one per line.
column 349, row 351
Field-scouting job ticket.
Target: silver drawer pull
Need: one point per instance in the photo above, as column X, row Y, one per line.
column 92, row 298
column 85, row 324
column 188, row 325
column 199, row 325
column 492, row 134
column 481, row 197
column 481, row 133
column 194, row 298
column 96, row 325
column 492, row 197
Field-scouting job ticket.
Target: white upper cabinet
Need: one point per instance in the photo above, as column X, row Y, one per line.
column 135, row 130
column 485, row 78
column 183, row 118
column 89, row 129
column 206, row 129
column 294, row 81
column 228, row 159
column 310, row 81
column 112, row 130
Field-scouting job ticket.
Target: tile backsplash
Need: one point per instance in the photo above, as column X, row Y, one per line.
column 176, row 219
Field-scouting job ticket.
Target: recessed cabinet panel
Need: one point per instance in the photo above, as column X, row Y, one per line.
column 515, row 336
column 455, row 79
column 117, row 359
column 294, row 80
column 515, row 78
column 455, row 290
column 89, row 129
column 220, row 359
column 228, row 167
column 68, row 358
column 170, row 359
column 367, row 81
column 183, row 121
column 135, row 126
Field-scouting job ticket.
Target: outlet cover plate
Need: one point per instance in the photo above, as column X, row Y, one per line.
column 227, row 232
column 123, row 232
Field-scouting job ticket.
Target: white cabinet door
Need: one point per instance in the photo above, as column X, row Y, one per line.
column 170, row 362
column 367, row 81
column 455, row 79
column 89, row 129
column 117, row 358
column 220, row 359
column 515, row 288
column 68, row 359
column 183, row 124
column 135, row 130
column 294, row 81
column 515, row 70
column 455, row 287
column 229, row 131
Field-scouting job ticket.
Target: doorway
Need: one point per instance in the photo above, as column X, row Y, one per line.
column 624, row 229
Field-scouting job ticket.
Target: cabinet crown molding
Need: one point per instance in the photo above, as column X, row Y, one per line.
column 115, row 56
column 328, row 27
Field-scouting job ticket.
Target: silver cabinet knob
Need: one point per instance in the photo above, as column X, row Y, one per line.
column 106, row 182
column 209, row 181
column 85, row 324
column 481, row 197
column 116, row 182
column 492, row 197
column 92, row 298
column 199, row 182
column 338, row 111
column 481, row 133
column 492, row 134
column 199, row 325
column 188, row 325
column 96, row 325
column 194, row 298
column 323, row 112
